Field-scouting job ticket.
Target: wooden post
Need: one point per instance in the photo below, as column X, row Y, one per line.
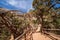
column 12, row 37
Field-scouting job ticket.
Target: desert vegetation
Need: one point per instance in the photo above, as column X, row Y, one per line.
column 44, row 19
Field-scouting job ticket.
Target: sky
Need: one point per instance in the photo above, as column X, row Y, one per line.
column 22, row 5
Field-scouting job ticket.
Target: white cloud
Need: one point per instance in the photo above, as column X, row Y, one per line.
column 19, row 3
column 12, row 2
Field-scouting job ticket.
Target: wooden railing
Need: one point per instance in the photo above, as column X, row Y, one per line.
column 51, row 29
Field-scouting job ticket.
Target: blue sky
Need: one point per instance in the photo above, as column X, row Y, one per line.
column 57, row 5
column 22, row 5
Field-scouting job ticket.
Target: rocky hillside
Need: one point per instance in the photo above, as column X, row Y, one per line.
column 18, row 21
column 15, row 22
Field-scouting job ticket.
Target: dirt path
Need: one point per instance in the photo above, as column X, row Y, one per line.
column 39, row 36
